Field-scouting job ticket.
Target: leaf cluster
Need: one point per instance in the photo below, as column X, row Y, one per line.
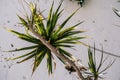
column 96, row 70
column 56, row 35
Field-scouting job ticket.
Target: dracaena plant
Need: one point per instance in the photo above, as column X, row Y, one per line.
column 56, row 35
column 95, row 67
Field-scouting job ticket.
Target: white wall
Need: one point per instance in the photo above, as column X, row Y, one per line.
column 100, row 23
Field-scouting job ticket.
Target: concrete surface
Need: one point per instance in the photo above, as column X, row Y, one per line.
column 102, row 25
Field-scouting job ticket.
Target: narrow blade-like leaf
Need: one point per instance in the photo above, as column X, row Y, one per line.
column 63, row 24
column 49, row 62
column 38, row 59
column 25, row 48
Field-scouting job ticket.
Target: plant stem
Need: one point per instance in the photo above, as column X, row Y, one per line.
column 56, row 52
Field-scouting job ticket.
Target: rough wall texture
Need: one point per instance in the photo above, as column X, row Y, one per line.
column 102, row 25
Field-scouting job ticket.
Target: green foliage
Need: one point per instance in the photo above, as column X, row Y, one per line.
column 96, row 70
column 80, row 2
column 57, row 36
column 117, row 12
